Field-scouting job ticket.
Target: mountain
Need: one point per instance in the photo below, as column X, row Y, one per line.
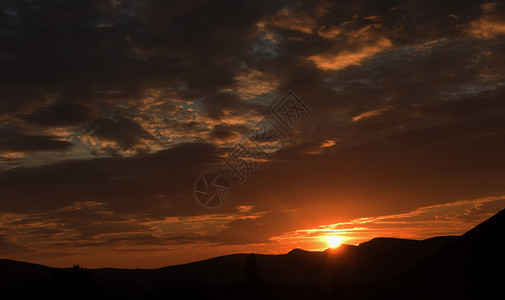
column 296, row 274
column 470, row 267
column 389, row 268
column 14, row 272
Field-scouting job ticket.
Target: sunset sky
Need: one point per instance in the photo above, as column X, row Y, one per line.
column 111, row 110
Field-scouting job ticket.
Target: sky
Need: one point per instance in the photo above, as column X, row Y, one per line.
column 110, row 112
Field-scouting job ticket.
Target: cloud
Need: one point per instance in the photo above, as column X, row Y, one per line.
column 225, row 106
column 226, row 134
column 252, row 229
column 62, row 114
column 27, row 143
column 116, row 60
column 162, row 181
column 8, row 246
column 491, row 24
column 125, row 132
column 252, row 83
column 330, row 33
column 361, row 45
column 296, row 21
column 371, row 113
column 452, row 218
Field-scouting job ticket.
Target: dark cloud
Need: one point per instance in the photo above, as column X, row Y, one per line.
column 45, row 232
column 160, row 182
column 226, row 133
column 126, row 132
column 252, row 231
column 8, row 246
column 62, row 114
column 217, row 105
column 33, row 143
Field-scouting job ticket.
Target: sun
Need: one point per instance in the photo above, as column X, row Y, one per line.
column 334, row 241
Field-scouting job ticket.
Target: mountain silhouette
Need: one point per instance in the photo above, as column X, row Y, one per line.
column 12, row 273
column 470, row 267
column 464, row 267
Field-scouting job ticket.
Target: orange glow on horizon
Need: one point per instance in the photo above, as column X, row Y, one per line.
column 334, row 241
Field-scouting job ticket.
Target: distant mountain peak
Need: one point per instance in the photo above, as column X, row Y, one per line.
column 297, row 250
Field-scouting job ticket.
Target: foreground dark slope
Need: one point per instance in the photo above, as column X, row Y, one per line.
column 13, row 273
column 471, row 267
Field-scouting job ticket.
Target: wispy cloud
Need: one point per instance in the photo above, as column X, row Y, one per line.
column 452, row 218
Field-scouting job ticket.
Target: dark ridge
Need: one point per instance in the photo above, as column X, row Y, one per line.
column 388, row 242
column 469, row 267
column 12, row 272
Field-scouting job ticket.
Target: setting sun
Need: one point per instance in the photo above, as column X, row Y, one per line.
column 334, row 241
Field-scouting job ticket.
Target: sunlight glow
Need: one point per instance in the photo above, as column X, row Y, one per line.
column 334, row 241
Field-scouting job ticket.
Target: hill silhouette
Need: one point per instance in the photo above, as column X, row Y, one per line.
column 470, row 267
column 440, row 267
